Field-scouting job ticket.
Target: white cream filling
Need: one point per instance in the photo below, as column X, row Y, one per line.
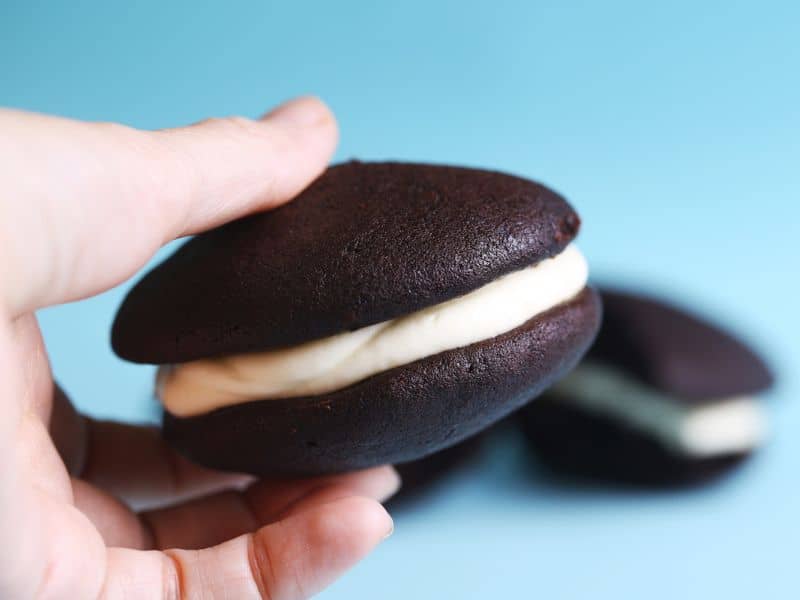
column 332, row 363
column 724, row 426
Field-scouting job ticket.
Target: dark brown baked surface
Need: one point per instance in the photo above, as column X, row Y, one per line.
column 366, row 242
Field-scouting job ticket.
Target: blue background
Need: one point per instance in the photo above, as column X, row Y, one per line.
column 674, row 128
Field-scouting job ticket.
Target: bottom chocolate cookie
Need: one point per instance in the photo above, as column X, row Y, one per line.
column 398, row 415
column 568, row 440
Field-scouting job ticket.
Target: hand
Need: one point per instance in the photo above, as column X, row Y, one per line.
column 82, row 207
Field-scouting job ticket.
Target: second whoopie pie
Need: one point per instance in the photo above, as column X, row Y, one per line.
column 664, row 397
column 389, row 311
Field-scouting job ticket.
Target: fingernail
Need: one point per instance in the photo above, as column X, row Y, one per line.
column 300, row 112
column 391, row 527
column 393, row 484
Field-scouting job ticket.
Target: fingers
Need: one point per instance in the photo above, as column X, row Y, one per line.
column 201, row 522
column 135, row 464
column 87, row 204
column 288, row 560
column 218, row 517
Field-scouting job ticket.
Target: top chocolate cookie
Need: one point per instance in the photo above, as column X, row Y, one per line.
column 363, row 244
column 675, row 351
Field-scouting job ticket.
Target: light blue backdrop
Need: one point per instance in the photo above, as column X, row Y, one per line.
column 673, row 127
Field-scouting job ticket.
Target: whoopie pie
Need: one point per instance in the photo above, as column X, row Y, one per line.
column 387, row 312
column 663, row 397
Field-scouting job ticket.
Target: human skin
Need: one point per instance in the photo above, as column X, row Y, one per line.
column 93, row 509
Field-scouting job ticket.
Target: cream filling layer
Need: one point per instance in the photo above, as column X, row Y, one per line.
column 335, row 362
column 724, row 426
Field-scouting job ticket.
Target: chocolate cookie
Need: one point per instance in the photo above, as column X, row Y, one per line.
column 663, row 397
column 389, row 311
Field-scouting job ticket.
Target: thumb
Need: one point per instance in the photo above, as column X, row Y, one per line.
column 85, row 205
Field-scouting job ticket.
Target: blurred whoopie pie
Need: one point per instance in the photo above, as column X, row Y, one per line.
column 663, row 397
